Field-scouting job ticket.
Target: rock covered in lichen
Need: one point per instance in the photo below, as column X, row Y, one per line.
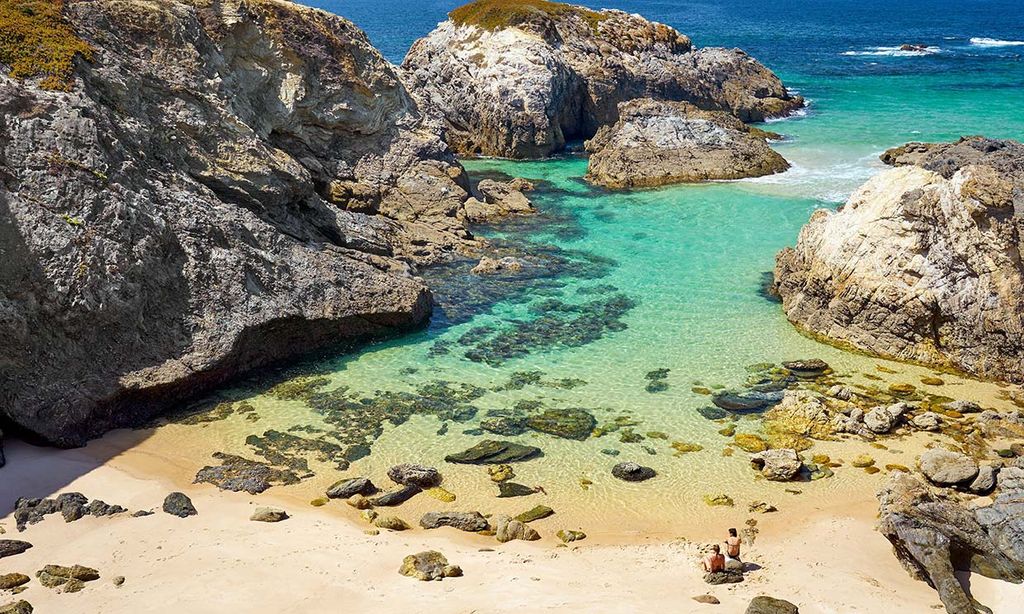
column 922, row 263
column 656, row 143
column 464, row 521
column 521, row 81
column 428, row 565
column 248, row 176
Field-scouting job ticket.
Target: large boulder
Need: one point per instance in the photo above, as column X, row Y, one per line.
column 799, row 416
column 947, row 468
column 496, row 199
column 923, row 262
column 520, row 79
column 223, row 186
column 933, row 535
column 656, row 143
column 779, row 465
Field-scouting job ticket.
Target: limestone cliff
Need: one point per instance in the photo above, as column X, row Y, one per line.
column 519, row 79
column 201, row 189
column 924, row 261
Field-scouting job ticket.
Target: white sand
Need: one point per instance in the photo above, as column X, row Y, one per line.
column 321, row 561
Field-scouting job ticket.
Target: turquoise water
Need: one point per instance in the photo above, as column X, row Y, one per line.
column 623, row 284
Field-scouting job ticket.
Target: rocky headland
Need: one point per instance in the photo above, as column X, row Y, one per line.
column 190, row 190
column 922, row 263
column 656, row 143
column 520, row 79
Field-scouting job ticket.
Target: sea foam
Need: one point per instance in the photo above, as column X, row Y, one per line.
column 895, row 52
column 994, row 42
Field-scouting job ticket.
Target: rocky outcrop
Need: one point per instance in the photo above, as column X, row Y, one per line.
column 495, row 199
column 779, row 465
column 656, row 143
column 222, row 186
column 923, row 262
column 933, row 535
column 519, row 80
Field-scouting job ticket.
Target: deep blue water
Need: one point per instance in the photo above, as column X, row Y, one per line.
column 795, row 37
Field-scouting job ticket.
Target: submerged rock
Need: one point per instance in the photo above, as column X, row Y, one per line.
column 633, row 472
column 746, row 401
column 428, row 565
column 463, row 521
column 810, row 368
column 508, row 489
column 657, row 143
column 569, row 423
column 489, row 266
column 537, row 513
column 268, row 212
column 178, row 504
column 922, row 263
column 520, row 81
column 491, row 452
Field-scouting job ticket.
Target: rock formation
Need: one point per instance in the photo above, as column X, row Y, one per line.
column 656, row 143
column 933, row 535
column 520, row 79
column 201, row 189
column 923, row 263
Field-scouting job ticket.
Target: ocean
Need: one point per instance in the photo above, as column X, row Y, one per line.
column 636, row 304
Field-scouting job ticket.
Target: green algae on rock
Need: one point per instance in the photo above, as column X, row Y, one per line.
column 568, row 423
column 536, row 513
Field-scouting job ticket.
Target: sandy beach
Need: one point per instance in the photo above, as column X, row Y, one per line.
column 320, row 559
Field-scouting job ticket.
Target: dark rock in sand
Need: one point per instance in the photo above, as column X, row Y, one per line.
column 13, row 580
column 429, row 565
column 570, row 423
column 396, row 497
column 508, row 426
column 414, row 475
column 343, row 489
column 490, row 452
column 463, row 521
column 723, row 577
column 236, row 474
column 17, row 607
column 769, row 605
column 512, row 489
column 633, row 472
column 178, row 504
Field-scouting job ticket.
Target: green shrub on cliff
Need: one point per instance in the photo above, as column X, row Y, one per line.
column 498, row 14
column 36, row 41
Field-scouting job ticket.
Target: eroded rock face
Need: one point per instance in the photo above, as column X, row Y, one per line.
column 223, row 186
column 657, row 143
column 934, row 535
column 522, row 86
column 923, row 262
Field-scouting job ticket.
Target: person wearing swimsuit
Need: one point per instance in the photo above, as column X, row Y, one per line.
column 732, row 545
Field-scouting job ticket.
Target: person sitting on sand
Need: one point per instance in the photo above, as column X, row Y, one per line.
column 732, row 551
column 714, row 561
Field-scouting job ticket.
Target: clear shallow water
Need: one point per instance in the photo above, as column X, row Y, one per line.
column 686, row 265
